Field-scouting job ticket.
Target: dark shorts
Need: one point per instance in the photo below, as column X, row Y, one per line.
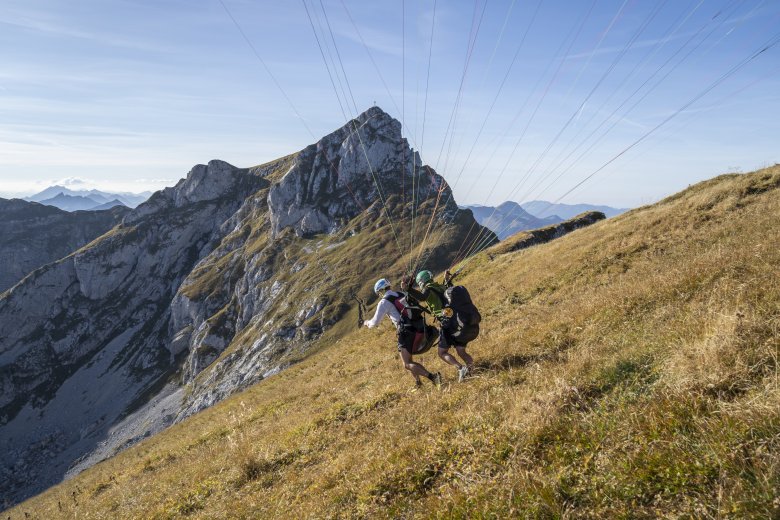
column 447, row 340
column 416, row 340
column 406, row 339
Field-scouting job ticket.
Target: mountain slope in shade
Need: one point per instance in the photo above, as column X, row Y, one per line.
column 543, row 209
column 32, row 235
column 210, row 286
column 509, row 218
column 83, row 341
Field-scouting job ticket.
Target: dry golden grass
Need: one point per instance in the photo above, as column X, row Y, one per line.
column 628, row 370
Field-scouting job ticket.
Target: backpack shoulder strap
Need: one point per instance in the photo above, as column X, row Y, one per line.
column 391, row 297
column 395, row 299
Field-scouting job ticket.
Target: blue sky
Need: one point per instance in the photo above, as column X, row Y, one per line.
column 128, row 95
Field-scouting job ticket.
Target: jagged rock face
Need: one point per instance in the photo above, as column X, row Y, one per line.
column 206, row 288
column 32, row 235
column 333, row 180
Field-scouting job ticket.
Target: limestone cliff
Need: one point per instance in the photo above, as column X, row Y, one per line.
column 32, row 235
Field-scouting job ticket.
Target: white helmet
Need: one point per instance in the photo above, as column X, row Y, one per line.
column 381, row 285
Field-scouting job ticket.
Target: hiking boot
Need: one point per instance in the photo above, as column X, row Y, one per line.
column 437, row 379
column 462, row 373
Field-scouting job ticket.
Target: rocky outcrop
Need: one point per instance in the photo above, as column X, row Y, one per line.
column 360, row 169
column 527, row 239
column 344, row 173
column 32, row 235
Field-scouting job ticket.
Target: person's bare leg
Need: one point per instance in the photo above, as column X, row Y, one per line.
column 465, row 357
column 415, row 368
column 445, row 355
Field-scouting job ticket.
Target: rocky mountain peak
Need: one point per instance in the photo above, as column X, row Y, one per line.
column 345, row 172
column 204, row 182
column 509, row 206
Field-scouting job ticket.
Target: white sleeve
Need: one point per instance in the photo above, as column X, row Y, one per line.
column 381, row 310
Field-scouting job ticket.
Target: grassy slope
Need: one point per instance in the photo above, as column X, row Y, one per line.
column 626, row 370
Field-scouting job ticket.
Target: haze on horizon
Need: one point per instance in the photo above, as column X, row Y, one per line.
column 128, row 95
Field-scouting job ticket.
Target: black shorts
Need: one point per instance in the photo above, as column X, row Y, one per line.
column 447, row 340
column 406, row 339
column 416, row 339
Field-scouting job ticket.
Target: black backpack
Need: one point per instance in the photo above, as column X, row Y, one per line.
column 464, row 311
column 462, row 320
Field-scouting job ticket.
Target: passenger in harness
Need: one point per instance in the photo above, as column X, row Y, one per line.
column 414, row 337
column 453, row 309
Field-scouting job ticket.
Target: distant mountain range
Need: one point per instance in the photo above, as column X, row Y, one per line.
column 75, row 200
column 510, row 217
column 542, row 208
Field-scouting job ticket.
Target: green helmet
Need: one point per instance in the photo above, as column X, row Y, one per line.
column 423, row 277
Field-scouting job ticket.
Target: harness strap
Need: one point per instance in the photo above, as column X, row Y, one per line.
column 396, row 301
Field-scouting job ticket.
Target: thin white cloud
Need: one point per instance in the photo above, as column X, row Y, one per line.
column 71, row 181
column 32, row 20
column 155, row 181
column 729, row 26
column 386, row 42
column 636, row 124
column 615, row 49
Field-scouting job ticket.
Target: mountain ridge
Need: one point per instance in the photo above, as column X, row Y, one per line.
column 509, row 217
column 543, row 208
column 108, row 205
column 71, row 200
